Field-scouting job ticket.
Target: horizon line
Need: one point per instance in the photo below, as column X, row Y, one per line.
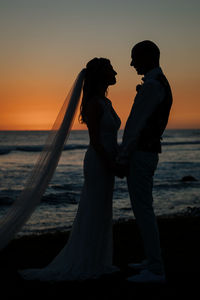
column 87, row 129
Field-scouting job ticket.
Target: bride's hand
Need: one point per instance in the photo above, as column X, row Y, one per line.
column 119, row 170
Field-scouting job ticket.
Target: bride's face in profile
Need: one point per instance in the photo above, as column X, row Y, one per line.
column 110, row 75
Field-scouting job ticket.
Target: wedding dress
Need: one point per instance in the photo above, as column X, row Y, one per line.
column 88, row 252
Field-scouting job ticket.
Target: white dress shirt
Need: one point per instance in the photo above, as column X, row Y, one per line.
column 150, row 94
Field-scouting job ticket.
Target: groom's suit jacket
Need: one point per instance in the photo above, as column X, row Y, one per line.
column 149, row 115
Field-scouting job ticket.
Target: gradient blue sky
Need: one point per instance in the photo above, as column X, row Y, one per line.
column 44, row 44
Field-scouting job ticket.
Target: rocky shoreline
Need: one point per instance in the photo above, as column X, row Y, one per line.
column 180, row 245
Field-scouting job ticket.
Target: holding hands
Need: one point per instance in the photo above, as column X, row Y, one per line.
column 120, row 166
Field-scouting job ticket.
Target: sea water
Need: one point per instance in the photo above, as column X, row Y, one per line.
column 19, row 151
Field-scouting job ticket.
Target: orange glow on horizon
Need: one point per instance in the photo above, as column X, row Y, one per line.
column 39, row 109
column 29, row 118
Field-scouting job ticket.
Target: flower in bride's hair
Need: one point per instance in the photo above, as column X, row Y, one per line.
column 138, row 87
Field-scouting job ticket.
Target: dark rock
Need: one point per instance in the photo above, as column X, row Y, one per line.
column 192, row 211
column 188, row 178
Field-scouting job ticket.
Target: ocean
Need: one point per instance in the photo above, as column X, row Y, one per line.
column 172, row 195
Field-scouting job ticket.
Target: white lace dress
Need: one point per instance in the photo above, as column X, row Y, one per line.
column 88, row 252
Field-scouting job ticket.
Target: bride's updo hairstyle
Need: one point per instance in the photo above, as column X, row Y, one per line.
column 93, row 84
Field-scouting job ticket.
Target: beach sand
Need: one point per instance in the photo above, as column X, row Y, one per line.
column 180, row 243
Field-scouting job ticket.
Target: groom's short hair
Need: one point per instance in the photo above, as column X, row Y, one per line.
column 148, row 49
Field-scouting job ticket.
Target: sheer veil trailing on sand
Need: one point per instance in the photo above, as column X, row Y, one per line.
column 44, row 168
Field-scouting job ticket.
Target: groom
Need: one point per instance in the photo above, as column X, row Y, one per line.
column 139, row 153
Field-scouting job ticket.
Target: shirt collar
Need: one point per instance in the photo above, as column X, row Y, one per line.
column 152, row 74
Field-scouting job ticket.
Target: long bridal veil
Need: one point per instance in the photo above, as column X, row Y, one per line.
column 37, row 182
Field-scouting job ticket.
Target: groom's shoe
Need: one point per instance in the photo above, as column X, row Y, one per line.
column 139, row 266
column 147, row 276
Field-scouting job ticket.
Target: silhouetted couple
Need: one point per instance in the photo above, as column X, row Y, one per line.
column 88, row 252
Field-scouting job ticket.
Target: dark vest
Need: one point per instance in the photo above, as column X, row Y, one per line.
column 151, row 135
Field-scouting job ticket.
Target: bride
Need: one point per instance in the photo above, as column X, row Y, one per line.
column 88, row 252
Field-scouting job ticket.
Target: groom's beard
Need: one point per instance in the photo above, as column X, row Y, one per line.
column 139, row 71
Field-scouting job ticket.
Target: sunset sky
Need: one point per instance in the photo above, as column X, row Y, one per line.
column 45, row 43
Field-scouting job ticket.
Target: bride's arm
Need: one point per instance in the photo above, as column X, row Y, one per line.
column 94, row 114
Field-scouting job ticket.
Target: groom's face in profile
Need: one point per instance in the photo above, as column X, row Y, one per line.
column 138, row 62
